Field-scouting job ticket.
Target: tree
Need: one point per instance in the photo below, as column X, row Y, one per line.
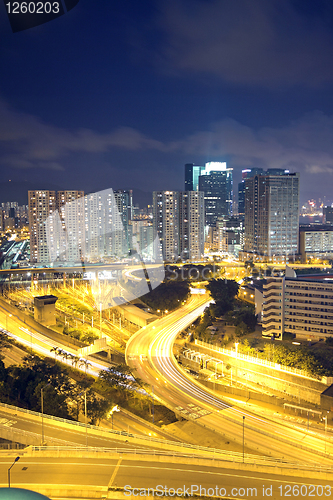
column 6, row 342
column 224, row 293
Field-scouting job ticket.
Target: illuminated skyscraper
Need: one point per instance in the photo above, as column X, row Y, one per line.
column 271, row 215
column 192, row 174
column 191, row 225
column 216, row 182
column 70, row 205
column 166, row 222
column 178, row 219
column 42, row 204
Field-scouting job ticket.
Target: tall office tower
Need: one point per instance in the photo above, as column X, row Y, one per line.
column 166, row 223
column 123, row 239
column 271, row 215
column 192, row 174
column 70, row 205
column 42, row 205
column 191, row 224
column 103, row 226
column 216, row 182
column 246, row 174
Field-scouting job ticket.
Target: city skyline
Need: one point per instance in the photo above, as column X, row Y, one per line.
column 129, row 104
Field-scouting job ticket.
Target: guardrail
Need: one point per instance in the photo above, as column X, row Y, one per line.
column 232, row 456
column 257, row 361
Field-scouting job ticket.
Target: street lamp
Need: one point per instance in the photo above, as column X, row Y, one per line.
column 42, row 405
column 16, row 460
column 115, row 408
column 100, row 319
column 243, row 436
column 153, row 404
column 10, row 315
column 325, row 418
column 236, row 346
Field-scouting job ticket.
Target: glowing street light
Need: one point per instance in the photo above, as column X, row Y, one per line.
column 111, row 412
column 236, row 346
column 16, row 460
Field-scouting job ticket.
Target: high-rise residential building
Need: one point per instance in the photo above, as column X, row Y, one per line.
column 271, row 216
column 143, row 236
column 191, row 224
column 42, row 205
column 124, row 202
column 166, row 222
column 103, row 226
column 68, row 226
column 70, row 205
column 300, row 306
column 179, row 221
column 216, row 183
column 192, row 174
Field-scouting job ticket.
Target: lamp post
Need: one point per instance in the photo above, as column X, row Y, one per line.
column 10, row 315
column 85, row 416
column 236, row 346
column 115, row 408
column 16, row 460
column 100, row 319
column 325, row 418
column 42, row 405
column 243, row 437
column 153, row 404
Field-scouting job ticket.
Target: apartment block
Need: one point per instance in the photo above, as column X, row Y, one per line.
column 299, row 306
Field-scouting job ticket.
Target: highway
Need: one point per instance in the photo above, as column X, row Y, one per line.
column 149, row 354
column 98, row 475
column 41, row 344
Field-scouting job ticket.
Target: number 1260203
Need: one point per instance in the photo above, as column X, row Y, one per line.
column 33, row 7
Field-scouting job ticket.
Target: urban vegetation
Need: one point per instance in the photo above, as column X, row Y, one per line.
column 234, row 311
column 167, row 296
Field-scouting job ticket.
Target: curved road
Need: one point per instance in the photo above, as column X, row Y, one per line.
column 149, row 354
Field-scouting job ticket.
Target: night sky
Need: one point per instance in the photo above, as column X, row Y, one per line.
column 122, row 94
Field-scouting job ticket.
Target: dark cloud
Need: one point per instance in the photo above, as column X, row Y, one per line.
column 268, row 43
column 27, row 142
column 304, row 145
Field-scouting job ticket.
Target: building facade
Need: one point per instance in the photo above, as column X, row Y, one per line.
column 42, row 205
column 178, row 220
column 166, row 222
column 192, row 174
column 230, row 235
column 300, row 306
column 316, row 242
column 217, row 184
column 191, row 225
column 271, row 216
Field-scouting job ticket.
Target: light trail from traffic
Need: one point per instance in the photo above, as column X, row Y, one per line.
column 174, row 388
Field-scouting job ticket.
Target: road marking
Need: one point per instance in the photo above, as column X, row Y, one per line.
column 114, row 473
column 171, row 469
column 8, row 423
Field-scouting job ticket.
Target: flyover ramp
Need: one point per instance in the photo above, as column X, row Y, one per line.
column 79, row 474
column 149, row 353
